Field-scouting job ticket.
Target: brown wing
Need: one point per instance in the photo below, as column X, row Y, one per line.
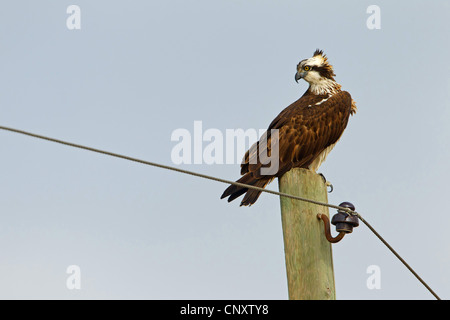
column 305, row 129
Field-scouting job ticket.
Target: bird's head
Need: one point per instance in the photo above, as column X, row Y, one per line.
column 315, row 69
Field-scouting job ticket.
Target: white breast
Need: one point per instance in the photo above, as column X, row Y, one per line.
column 314, row 166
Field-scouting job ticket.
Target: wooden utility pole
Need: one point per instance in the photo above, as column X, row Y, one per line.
column 309, row 261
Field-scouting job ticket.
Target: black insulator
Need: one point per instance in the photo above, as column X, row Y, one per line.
column 344, row 221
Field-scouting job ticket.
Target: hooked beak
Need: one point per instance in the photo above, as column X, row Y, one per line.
column 299, row 75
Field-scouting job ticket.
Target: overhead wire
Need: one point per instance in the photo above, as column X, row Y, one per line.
column 204, row 176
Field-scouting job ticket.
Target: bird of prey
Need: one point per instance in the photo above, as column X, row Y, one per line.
column 307, row 130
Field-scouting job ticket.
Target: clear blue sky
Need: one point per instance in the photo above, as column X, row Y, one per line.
column 137, row 71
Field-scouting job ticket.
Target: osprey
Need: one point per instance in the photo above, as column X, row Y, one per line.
column 307, row 130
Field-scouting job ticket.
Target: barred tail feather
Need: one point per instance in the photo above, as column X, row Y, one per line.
column 251, row 195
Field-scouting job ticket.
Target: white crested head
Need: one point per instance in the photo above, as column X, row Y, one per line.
column 318, row 73
column 318, row 60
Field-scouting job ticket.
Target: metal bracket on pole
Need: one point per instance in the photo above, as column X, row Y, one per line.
column 343, row 221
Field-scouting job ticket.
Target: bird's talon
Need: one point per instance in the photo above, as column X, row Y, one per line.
column 327, row 183
column 323, row 177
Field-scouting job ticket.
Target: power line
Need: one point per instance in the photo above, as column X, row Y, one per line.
column 175, row 169
column 204, row 176
column 399, row 257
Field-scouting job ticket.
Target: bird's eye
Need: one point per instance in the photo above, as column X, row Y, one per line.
column 306, row 68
